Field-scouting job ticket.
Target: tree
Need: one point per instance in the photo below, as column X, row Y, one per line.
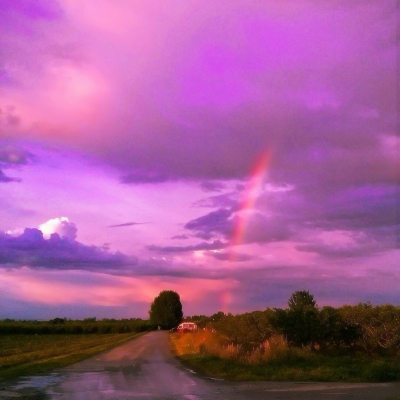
column 335, row 330
column 301, row 300
column 166, row 310
column 378, row 327
column 301, row 322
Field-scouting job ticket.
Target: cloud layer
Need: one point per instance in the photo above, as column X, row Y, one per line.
column 197, row 91
column 151, row 117
column 33, row 250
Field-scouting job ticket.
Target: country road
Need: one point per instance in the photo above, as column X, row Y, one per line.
column 146, row 369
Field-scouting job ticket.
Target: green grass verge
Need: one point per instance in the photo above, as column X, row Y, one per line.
column 311, row 368
column 206, row 353
column 34, row 354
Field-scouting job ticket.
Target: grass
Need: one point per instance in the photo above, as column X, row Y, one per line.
column 32, row 354
column 211, row 355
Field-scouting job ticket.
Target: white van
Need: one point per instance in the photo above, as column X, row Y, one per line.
column 187, row 327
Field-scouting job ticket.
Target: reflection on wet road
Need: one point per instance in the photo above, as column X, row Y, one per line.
column 146, row 369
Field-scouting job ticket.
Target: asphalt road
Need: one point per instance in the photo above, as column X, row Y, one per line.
column 146, row 369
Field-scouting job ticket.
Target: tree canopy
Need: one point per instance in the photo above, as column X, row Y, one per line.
column 301, row 300
column 300, row 322
column 166, row 310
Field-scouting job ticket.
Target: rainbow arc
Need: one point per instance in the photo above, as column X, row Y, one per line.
column 251, row 193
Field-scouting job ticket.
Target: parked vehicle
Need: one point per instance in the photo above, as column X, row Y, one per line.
column 187, row 327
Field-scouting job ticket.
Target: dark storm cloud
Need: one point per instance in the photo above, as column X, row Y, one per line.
column 368, row 215
column 315, row 84
column 331, row 120
column 208, row 225
column 260, row 229
column 225, row 200
column 31, row 249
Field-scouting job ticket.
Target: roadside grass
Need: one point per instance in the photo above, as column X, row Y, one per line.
column 33, row 354
column 212, row 355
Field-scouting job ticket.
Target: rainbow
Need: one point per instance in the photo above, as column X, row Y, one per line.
column 251, row 193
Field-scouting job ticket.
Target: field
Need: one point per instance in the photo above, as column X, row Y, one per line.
column 31, row 354
column 212, row 355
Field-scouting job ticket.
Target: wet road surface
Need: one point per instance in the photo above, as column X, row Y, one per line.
column 146, row 369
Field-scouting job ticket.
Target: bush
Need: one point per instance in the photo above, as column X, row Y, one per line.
column 383, row 371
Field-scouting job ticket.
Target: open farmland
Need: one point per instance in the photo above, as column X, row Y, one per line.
column 32, row 354
column 146, row 368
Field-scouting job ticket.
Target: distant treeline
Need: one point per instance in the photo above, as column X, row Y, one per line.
column 364, row 327
column 67, row 326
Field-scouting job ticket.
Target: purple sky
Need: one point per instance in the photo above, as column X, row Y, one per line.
column 234, row 151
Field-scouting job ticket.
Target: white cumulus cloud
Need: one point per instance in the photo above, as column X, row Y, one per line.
column 61, row 225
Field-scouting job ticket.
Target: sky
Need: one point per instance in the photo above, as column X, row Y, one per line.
column 234, row 151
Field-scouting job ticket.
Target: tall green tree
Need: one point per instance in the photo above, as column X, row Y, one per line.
column 303, row 323
column 301, row 300
column 166, row 310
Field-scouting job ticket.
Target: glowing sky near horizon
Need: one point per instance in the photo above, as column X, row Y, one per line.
column 234, row 151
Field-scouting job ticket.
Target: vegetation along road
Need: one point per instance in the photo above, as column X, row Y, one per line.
column 145, row 368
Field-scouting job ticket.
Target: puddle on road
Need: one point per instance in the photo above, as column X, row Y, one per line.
column 31, row 388
column 132, row 370
column 37, row 382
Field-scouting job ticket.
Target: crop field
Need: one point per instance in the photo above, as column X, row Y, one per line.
column 31, row 354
